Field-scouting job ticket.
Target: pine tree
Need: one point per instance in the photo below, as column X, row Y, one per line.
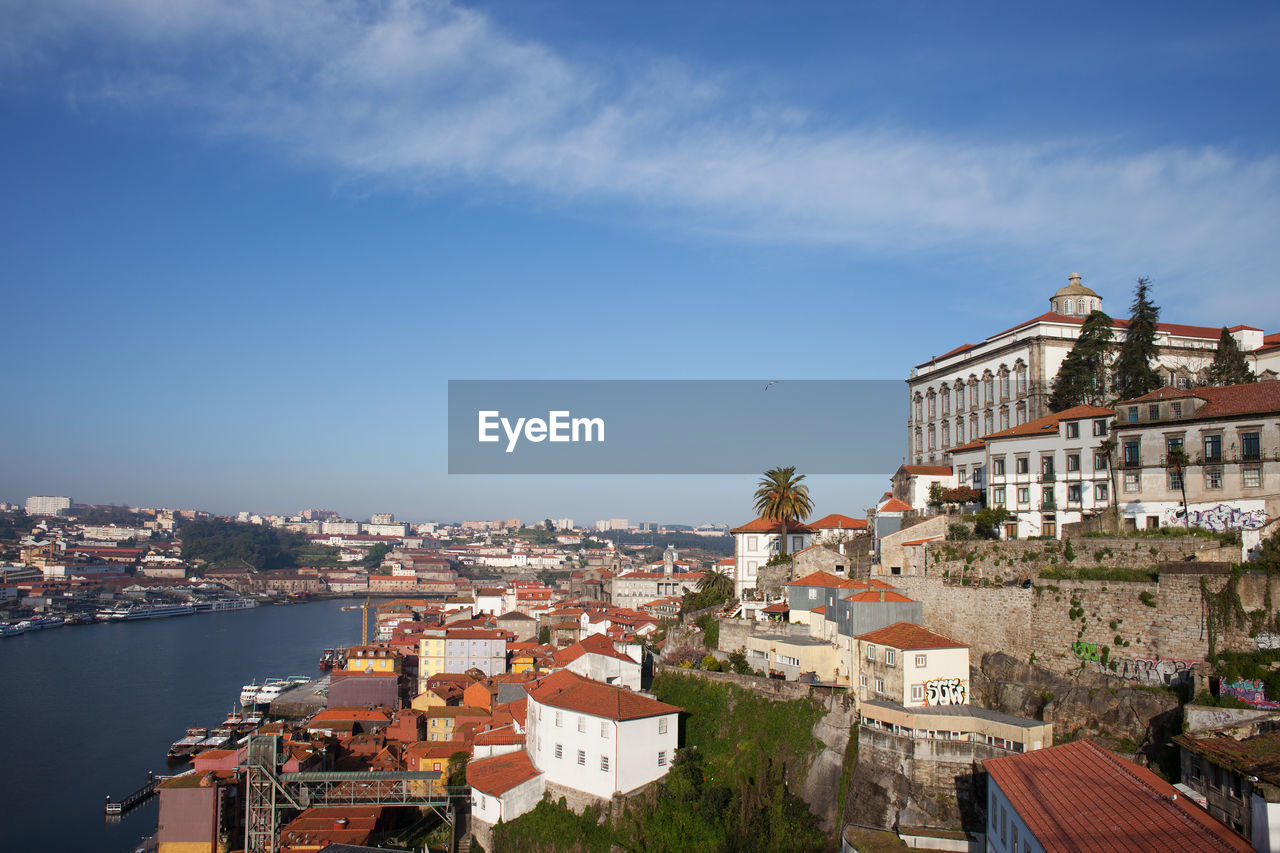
column 1082, row 378
column 1132, row 375
column 1229, row 366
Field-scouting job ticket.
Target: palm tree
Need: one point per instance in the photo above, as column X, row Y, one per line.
column 781, row 497
column 1177, row 461
column 716, row 582
column 1108, row 448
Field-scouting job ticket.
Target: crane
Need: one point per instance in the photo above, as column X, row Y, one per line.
column 364, row 620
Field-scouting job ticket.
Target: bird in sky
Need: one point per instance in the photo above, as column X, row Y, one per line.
column 774, row 382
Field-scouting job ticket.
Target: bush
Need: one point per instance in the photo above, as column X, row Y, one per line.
column 959, row 531
column 709, row 663
column 738, row 662
column 987, row 521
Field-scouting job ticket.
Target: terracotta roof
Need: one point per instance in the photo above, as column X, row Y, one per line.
column 972, row 445
column 929, row 470
column 836, row 521
column 777, row 607
column 948, row 354
column 823, row 579
column 821, row 610
column 596, row 644
column 908, row 636
column 572, row 692
column 1255, row 756
column 766, row 525
column 894, row 505
column 1254, row 398
column 1179, row 329
column 922, row 541
column 891, row 595
column 1049, row 423
column 499, row 774
column 1079, row 797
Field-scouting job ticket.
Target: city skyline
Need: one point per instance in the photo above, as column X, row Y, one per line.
column 250, row 244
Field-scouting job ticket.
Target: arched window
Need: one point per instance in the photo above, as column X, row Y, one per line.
column 933, row 404
column 959, row 431
column 933, row 443
column 1070, row 307
column 945, row 394
column 1022, row 414
column 918, row 440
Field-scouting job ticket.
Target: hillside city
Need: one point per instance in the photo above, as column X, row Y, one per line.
column 1055, row 630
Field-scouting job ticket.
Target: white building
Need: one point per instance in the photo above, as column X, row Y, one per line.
column 382, row 518
column 758, row 541
column 45, row 505
column 344, row 528
column 978, row 389
column 598, row 739
column 597, row 657
column 503, row 787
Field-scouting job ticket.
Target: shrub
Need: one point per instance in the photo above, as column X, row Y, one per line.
column 959, row 531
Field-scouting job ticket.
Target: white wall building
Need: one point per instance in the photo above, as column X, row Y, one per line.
column 46, row 505
column 598, row 739
column 755, row 542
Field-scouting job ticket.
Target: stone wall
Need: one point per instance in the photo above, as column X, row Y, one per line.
column 1145, row 632
column 1022, row 559
column 734, row 632
column 891, row 551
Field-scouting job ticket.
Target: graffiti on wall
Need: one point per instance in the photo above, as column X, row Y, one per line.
column 945, row 691
column 1267, row 640
column 1153, row 671
column 1218, row 517
column 1249, row 692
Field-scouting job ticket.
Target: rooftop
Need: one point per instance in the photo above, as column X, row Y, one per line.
column 572, row 692
column 499, row 774
column 908, row 636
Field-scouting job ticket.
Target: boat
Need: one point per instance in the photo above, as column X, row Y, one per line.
column 16, row 629
column 328, row 660
column 50, row 621
column 189, row 743
column 218, row 605
column 132, row 612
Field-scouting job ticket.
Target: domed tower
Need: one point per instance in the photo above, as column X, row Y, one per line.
column 1075, row 300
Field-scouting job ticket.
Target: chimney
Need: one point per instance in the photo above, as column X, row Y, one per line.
column 882, row 595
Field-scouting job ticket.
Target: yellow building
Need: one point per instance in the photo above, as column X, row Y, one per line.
column 442, row 721
column 373, row 659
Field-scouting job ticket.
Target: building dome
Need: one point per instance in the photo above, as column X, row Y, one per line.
column 1075, row 300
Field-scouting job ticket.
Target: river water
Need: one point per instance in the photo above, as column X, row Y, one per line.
column 87, row 710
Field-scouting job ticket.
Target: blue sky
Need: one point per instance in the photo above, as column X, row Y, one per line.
column 247, row 243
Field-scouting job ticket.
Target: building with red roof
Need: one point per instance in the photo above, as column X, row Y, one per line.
column 758, row 541
column 1080, row 797
column 598, row 657
column 503, row 787
column 975, row 390
column 597, row 738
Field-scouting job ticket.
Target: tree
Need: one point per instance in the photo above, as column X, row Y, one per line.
column 373, row 559
column 1082, row 378
column 716, row 583
column 1108, row 447
column 987, row 521
column 781, row 497
column 551, row 528
column 1229, row 366
column 1132, row 374
column 1177, row 461
column 457, row 767
column 544, row 635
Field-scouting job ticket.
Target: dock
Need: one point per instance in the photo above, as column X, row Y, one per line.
column 301, row 702
column 131, row 801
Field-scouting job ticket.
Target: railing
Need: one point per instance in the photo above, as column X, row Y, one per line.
column 1048, row 477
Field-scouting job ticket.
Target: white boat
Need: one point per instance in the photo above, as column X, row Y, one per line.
column 17, row 629
column 132, row 612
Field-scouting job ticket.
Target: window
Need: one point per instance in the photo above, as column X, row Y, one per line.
column 889, row 657
column 997, row 466
column 1252, row 476
column 582, row 724
column 933, row 437
column 946, row 402
column 604, row 729
column 1004, row 417
column 960, row 474
column 1046, row 467
column 997, row 496
column 1131, row 481
column 604, row 763
column 1100, row 427
column 959, row 397
column 662, row 758
column 1099, row 461
column 1131, row 452
column 559, row 751
column 1174, row 480
column 1132, row 414
column 1250, row 446
column 1153, row 412
column 813, row 594
column 1100, row 492
column 871, row 652
column 919, row 409
column 1073, row 429
column 1172, row 443
column 1004, row 386
column 1074, row 491
column 559, row 718
column 1022, row 465
column 1175, row 410
column 751, row 540
column 920, row 660
column 879, row 685
column 959, row 431
column 1024, row 495
column 862, row 680
column 919, row 440
column 933, row 405
column 989, row 389
column 1213, row 478
column 1213, row 448
column 1022, row 381
column 662, row 725
column 989, row 422
column 1073, row 461
column 582, row 757
column 1021, row 414
column 917, row 693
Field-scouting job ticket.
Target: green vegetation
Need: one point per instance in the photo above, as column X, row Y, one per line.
column 733, row 791
column 1082, row 378
column 779, row 560
column 1132, row 374
column 1229, row 366
column 738, row 662
column 710, row 626
column 1148, row 598
column 782, row 497
column 374, row 558
column 1100, row 573
column 987, row 521
column 236, row 543
column 121, row 515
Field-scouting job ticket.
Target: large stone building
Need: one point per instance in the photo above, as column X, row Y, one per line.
column 974, row 390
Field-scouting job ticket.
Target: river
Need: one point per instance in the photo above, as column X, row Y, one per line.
column 88, row 710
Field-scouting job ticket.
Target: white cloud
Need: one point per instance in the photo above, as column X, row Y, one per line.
column 423, row 94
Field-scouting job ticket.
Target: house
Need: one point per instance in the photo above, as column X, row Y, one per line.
column 598, row 658
column 1235, row 771
column 596, row 738
column 1079, row 796
column 792, row 656
column 1231, row 438
column 911, row 484
column 503, row 787
column 460, row 649
column 836, row 528
column 974, row 390
column 757, row 542
column 912, row 666
column 633, row 589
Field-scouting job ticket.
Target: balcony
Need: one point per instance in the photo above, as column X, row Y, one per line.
column 1048, row 505
column 1048, row 477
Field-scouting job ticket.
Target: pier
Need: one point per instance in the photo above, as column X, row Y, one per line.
column 131, row 801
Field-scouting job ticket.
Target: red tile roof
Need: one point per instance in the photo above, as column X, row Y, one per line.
column 499, row 774
column 1255, row 398
column 1049, row 423
column 894, row 505
column 929, row 470
column 836, row 521
column 765, row 525
column 572, row 692
column 922, row 541
column 1080, row 797
column 823, row 579
column 891, row 595
column 821, row 610
column 596, row 644
column 908, row 636
column 777, row 607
